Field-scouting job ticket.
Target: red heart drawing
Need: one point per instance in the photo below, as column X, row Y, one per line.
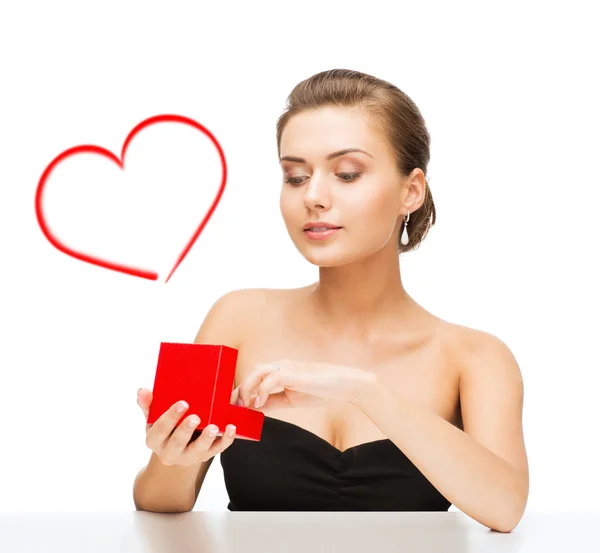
column 151, row 275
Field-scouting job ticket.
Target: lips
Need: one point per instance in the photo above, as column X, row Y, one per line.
column 310, row 226
column 321, row 229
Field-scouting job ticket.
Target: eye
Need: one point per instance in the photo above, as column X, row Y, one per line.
column 345, row 177
column 353, row 176
column 293, row 180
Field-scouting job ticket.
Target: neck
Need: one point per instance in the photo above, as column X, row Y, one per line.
column 362, row 299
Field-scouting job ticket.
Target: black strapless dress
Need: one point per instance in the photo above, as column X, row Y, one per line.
column 292, row 469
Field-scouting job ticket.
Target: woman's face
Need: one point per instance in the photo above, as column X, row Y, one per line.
column 360, row 192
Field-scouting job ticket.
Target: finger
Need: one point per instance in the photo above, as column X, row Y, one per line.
column 235, row 396
column 160, row 431
column 247, row 387
column 144, row 399
column 251, row 383
column 201, row 445
column 177, row 442
column 269, row 383
column 279, row 400
column 208, row 446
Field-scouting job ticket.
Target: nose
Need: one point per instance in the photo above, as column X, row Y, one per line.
column 317, row 194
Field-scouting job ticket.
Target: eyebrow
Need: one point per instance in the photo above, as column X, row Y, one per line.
column 328, row 158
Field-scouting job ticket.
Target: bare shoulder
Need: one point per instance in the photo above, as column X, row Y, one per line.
column 247, row 302
column 245, row 299
column 234, row 313
column 257, row 308
column 481, row 354
column 250, row 299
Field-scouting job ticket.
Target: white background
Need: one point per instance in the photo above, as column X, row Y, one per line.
column 509, row 92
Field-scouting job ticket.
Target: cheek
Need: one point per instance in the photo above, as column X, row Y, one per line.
column 376, row 212
column 373, row 222
column 285, row 206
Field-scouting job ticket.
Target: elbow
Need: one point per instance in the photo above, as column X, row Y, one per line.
column 161, row 506
column 506, row 526
column 508, row 521
column 163, row 509
column 510, row 518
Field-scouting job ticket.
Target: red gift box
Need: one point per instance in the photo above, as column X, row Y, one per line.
column 202, row 375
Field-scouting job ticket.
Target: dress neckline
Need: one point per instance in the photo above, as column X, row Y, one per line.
column 325, row 442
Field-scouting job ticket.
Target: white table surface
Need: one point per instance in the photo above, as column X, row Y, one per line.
column 292, row 532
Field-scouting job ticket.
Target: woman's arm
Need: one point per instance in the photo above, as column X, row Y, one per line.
column 168, row 489
column 482, row 470
column 173, row 488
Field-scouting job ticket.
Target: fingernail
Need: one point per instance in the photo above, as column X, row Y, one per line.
column 240, row 402
column 182, row 406
column 231, row 430
column 257, row 402
column 212, row 432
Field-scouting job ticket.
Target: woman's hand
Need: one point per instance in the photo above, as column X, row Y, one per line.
column 300, row 384
column 172, row 442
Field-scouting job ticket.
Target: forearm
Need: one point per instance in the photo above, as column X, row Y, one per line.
column 165, row 489
column 475, row 480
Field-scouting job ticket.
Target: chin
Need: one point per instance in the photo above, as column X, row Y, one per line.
column 339, row 256
column 329, row 258
column 339, row 252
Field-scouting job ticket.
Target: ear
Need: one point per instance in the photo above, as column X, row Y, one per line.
column 415, row 191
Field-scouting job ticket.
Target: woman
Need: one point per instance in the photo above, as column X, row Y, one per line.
column 371, row 402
